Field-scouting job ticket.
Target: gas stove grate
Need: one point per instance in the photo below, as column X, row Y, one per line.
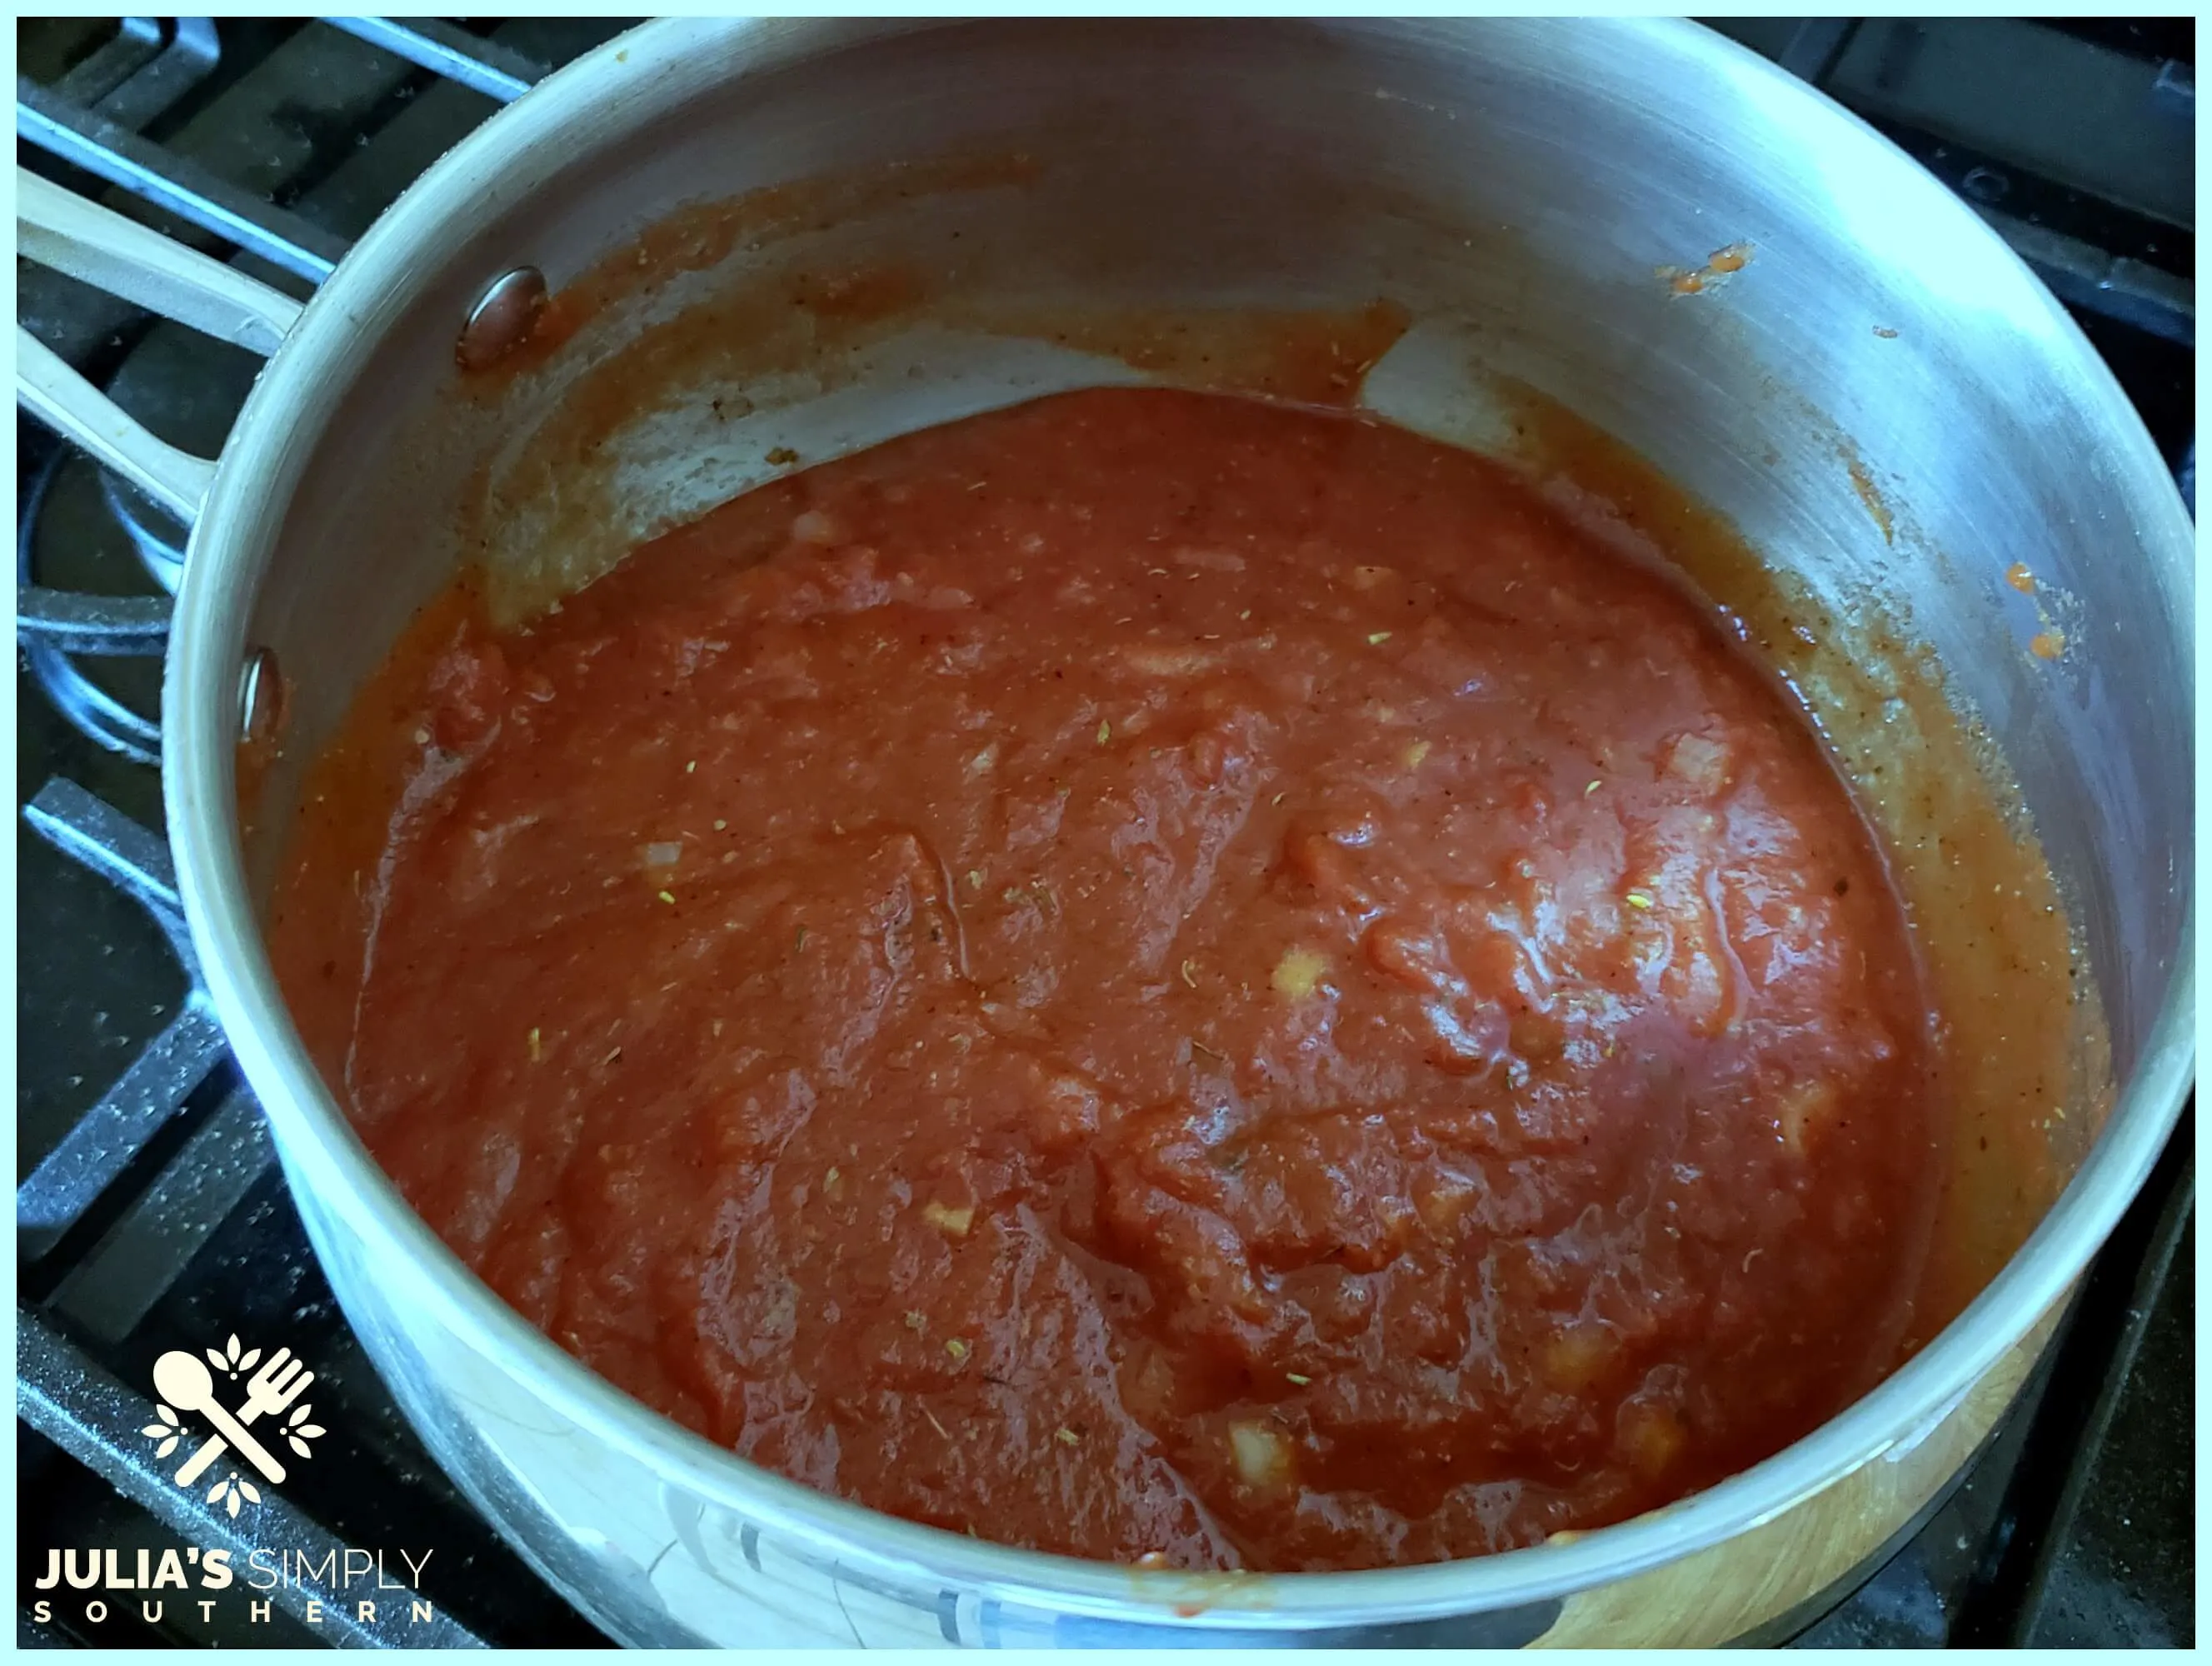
column 130, row 1213
column 157, row 1214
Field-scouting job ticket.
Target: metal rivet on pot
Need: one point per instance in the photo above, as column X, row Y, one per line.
column 501, row 320
column 1985, row 184
column 260, row 698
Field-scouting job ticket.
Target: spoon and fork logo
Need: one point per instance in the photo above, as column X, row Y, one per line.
column 188, row 1386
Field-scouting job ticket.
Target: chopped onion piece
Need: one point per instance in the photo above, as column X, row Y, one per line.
column 1297, row 973
column 955, row 1222
column 1262, row 1455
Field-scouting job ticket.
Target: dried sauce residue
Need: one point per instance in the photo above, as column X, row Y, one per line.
column 1869, row 495
column 705, row 234
column 1318, row 357
column 2048, row 642
column 1721, row 263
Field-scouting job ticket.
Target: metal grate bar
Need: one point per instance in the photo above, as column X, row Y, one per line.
column 482, row 66
column 107, row 1139
column 1814, row 51
column 189, row 58
column 2128, row 291
column 108, row 842
column 75, row 624
column 96, row 713
column 115, row 1286
column 2175, row 89
column 52, row 625
column 184, row 188
column 137, row 43
column 96, row 1419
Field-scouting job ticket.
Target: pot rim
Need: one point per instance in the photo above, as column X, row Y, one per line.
column 652, row 68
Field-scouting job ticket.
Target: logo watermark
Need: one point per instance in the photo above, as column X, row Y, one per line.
column 274, row 1390
column 358, row 1582
column 232, row 1414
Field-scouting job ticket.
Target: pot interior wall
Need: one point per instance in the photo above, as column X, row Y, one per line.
column 1880, row 400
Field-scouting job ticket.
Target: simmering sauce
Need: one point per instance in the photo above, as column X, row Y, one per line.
column 1148, row 975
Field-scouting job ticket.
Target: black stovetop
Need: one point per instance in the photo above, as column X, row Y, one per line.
column 152, row 1216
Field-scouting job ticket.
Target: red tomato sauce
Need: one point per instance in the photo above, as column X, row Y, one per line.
column 1146, row 976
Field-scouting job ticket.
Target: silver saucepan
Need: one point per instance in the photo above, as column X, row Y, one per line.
column 1874, row 392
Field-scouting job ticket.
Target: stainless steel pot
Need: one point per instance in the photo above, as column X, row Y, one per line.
column 1515, row 184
